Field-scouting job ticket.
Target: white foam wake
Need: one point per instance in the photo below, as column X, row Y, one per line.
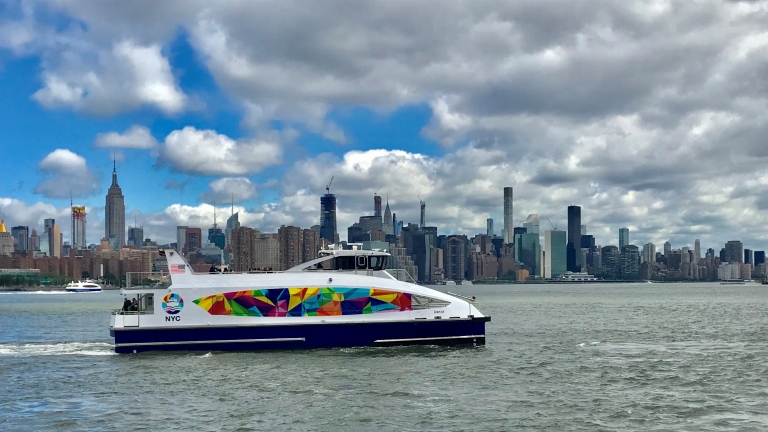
column 66, row 348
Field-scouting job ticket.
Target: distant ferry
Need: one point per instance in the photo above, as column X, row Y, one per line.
column 733, row 282
column 83, row 286
column 345, row 298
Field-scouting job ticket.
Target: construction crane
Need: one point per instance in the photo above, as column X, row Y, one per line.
column 328, row 186
column 377, row 191
column 553, row 226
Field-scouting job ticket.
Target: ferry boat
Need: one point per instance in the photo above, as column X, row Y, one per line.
column 83, row 286
column 345, row 298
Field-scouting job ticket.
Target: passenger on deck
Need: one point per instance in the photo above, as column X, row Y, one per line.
column 212, row 269
column 134, row 305
column 126, row 304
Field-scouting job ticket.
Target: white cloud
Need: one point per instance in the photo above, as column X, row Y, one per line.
column 68, row 173
column 229, row 189
column 206, row 152
column 123, row 78
column 136, row 137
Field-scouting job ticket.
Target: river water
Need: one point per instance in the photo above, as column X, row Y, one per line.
column 559, row 357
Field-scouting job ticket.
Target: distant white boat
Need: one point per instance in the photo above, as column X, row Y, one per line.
column 450, row 282
column 83, row 286
column 466, row 282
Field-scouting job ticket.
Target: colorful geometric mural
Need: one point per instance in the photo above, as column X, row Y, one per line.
column 298, row 302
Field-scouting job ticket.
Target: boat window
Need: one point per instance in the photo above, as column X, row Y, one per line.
column 344, row 263
column 147, row 303
column 424, row 302
column 377, row 262
column 362, row 262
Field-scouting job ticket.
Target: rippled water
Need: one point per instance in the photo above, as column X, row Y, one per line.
column 568, row 357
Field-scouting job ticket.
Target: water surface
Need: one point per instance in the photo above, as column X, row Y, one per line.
column 559, row 357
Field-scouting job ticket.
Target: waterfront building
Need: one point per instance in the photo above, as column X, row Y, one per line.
column 649, row 253
column 114, row 212
column 311, row 245
column 328, row 229
column 508, row 230
column 181, row 238
column 489, row 227
column 749, row 257
column 135, row 236
column 20, row 236
column 455, row 257
column 729, row 271
column 528, row 251
column 34, row 244
column 554, row 253
column 610, row 260
column 734, row 252
column 6, row 240
column 78, row 227
column 193, row 240
column 531, row 224
column 697, row 251
column 623, row 237
column 290, row 245
column 630, row 262
column 759, row 257
column 242, row 249
column 266, row 251
column 574, row 239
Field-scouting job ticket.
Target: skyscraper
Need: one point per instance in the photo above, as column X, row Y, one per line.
column 667, row 249
column 573, row 257
column 532, row 224
column 328, row 217
column 193, row 240
column 114, row 212
column 489, row 227
column 623, row 237
column 233, row 223
column 135, row 236
column 387, row 222
column 749, row 257
column 6, row 240
column 34, row 244
column 734, row 252
column 528, row 251
column 649, row 253
column 554, row 253
column 78, row 227
column 20, row 238
column 48, row 235
column 697, row 251
column 290, row 245
column 181, row 238
column 423, row 217
column 376, row 205
column 509, row 222
column 55, row 240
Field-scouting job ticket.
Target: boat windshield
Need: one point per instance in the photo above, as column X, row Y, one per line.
column 353, row 262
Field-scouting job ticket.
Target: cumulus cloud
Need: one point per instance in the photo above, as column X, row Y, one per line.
column 136, row 137
column 67, row 172
column 122, row 78
column 229, row 189
column 206, row 152
column 650, row 115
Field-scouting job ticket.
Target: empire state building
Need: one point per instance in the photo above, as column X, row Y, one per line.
column 114, row 213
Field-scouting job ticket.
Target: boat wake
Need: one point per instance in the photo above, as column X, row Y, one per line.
column 47, row 349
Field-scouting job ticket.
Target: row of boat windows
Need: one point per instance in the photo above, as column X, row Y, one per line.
column 359, row 262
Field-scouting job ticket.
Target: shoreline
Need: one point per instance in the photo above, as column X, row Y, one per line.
column 47, row 288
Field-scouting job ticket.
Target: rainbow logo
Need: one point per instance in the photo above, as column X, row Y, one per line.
column 173, row 303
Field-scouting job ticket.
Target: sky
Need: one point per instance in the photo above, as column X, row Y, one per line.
column 650, row 115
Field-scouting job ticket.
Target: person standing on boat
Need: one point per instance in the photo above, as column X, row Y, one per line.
column 126, row 304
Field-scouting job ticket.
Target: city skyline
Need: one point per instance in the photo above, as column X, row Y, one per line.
column 670, row 149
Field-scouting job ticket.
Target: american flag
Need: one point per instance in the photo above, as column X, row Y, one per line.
column 177, row 268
